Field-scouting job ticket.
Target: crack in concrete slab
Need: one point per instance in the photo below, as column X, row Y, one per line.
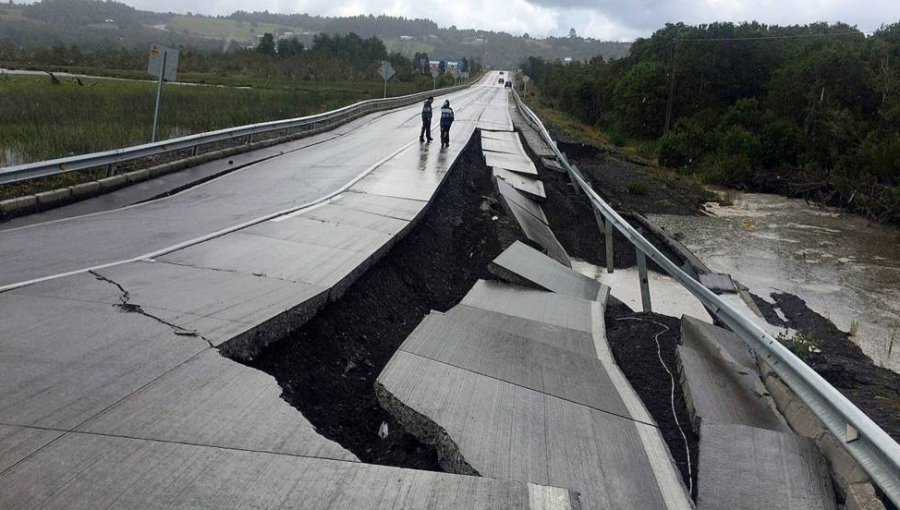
column 128, row 307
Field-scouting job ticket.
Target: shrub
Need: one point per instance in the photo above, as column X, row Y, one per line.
column 638, row 188
column 803, row 343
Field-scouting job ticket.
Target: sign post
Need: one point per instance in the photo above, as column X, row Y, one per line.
column 434, row 75
column 163, row 64
column 386, row 71
column 525, row 85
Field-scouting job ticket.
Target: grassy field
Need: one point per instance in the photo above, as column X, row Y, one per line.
column 221, row 28
column 39, row 120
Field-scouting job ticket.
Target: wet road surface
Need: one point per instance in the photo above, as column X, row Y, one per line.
column 278, row 184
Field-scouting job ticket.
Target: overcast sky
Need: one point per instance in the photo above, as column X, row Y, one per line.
column 602, row 19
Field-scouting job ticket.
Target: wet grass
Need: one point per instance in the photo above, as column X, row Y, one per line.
column 40, row 120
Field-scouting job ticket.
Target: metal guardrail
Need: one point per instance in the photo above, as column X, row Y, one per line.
column 110, row 158
column 876, row 452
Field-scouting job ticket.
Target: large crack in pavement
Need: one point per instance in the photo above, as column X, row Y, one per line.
column 128, row 307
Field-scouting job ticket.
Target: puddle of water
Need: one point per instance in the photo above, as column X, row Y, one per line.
column 844, row 267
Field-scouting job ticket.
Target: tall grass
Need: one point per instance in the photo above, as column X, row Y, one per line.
column 40, row 120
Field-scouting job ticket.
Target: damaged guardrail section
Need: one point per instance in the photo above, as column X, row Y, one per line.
column 110, row 158
column 875, row 451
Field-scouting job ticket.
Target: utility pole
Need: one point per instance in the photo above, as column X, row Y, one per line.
column 165, row 55
column 671, row 88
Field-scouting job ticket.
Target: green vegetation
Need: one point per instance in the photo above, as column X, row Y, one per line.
column 638, row 188
column 46, row 117
column 40, row 120
column 802, row 343
column 221, row 28
column 809, row 110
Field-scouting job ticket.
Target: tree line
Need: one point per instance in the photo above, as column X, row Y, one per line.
column 808, row 110
column 328, row 58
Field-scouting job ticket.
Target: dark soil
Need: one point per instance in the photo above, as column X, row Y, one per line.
column 573, row 221
column 875, row 390
column 631, row 337
column 628, row 185
column 327, row 369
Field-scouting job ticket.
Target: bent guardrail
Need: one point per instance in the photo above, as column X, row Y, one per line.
column 109, row 158
column 875, row 451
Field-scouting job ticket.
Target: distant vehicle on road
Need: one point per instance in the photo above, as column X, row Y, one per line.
column 500, row 80
column 509, row 84
column 501, row 72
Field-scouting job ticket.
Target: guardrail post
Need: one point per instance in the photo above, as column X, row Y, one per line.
column 610, row 261
column 599, row 217
column 642, row 277
column 249, row 138
column 110, row 170
column 194, row 150
column 572, row 179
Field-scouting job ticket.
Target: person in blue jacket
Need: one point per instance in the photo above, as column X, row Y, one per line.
column 426, row 120
column 446, row 121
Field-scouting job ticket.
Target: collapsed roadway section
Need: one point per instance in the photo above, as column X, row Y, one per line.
column 114, row 389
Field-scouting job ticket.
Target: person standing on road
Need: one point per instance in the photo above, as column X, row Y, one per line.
column 426, row 120
column 446, row 121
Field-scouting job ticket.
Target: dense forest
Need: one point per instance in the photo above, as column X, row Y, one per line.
column 808, row 111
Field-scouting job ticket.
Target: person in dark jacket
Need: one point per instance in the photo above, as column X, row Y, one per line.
column 446, row 121
column 426, row 120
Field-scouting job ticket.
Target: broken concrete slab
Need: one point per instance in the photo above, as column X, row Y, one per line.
column 552, row 164
column 579, row 342
column 527, row 303
column 533, row 188
column 517, row 360
column 510, row 196
column 502, row 146
column 501, row 430
column 720, row 283
column 513, row 162
column 246, row 403
column 532, row 225
column 93, row 471
column 719, row 391
column 503, row 136
column 522, row 265
column 744, row 467
column 703, row 336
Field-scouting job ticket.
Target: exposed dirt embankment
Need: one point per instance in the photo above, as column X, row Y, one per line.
column 328, row 368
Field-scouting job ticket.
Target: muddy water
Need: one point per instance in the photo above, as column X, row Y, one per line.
column 844, row 267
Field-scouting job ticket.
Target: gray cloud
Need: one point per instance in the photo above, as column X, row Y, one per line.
column 602, row 19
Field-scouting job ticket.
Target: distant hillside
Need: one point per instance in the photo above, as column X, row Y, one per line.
column 91, row 25
column 95, row 25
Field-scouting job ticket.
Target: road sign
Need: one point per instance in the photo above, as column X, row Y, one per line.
column 162, row 58
column 435, row 73
column 164, row 65
column 386, row 71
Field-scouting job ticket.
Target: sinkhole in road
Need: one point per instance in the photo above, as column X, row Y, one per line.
column 327, row 368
